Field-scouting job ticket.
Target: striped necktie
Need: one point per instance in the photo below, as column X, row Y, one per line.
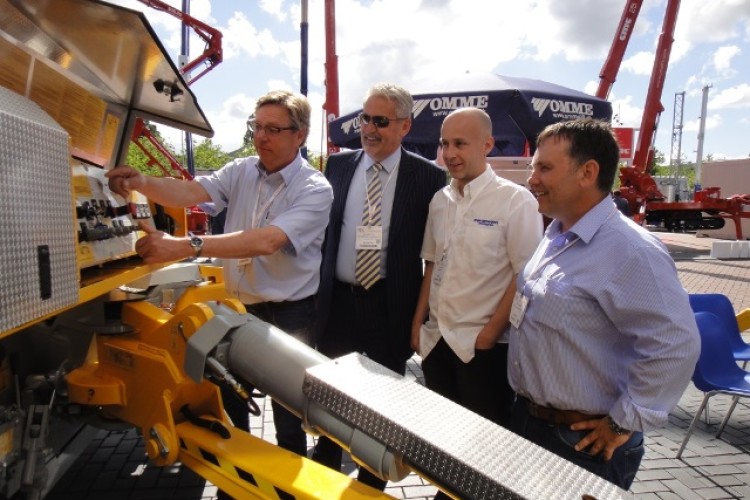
column 367, row 268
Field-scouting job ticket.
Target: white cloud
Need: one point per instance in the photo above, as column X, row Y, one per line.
column 559, row 28
column 712, row 122
column 440, row 37
column 169, row 26
column 274, row 8
column 716, row 21
column 406, row 41
column 230, row 121
column 624, row 113
column 734, row 97
column 641, row 63
column 240, row 36
column 722, row 59
column 280, row 85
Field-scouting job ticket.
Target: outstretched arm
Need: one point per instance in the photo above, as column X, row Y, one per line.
column 157, row 246
column 166, row 191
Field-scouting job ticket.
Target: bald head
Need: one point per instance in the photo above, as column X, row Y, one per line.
column 466, row 138
column 477, row 118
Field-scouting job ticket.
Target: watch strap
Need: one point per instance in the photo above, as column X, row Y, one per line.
column 616, row 428
column 196, row 242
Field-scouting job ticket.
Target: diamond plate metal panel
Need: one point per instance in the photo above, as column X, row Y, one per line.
column 442, row 440
column 36, row 209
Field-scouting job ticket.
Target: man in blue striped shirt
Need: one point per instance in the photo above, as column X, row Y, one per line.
column 603, row 339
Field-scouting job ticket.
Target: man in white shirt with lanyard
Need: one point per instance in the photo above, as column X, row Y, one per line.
column 277, row 212
column 480, row 232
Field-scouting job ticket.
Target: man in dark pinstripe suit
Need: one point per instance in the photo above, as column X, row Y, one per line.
column 375, row 319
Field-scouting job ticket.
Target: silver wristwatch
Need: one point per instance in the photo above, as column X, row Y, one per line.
column 197, row 243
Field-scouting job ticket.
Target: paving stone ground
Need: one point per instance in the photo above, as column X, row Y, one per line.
column 114, row 466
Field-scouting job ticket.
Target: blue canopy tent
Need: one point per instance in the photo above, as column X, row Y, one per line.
column 519, row 107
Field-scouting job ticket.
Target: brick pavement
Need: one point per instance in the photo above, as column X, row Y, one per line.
column 114, row 466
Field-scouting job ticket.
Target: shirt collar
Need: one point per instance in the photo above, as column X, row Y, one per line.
column 474, row 187
column 287, row 173
column 389, row 163
column 587, row 226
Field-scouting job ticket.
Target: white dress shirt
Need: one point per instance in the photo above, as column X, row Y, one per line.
column 483, row 238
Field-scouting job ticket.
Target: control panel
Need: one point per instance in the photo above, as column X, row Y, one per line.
column 107, row 224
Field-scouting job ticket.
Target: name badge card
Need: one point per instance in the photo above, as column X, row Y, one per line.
column 518, row 309
column 369, row 238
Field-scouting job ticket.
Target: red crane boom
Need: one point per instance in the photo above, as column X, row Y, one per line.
column 608, row 74
column 212, row 54
column 636, row 183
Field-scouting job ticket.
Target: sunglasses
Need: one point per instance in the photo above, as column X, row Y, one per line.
column 378, row 121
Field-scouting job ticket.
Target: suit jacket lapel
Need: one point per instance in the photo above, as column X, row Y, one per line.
column 404, row 185
column 346, row 174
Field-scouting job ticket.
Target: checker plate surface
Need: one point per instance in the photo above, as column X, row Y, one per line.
column 36, row 206
column 442, row 440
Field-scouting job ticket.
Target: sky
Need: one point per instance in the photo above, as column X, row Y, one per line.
column 406, row 41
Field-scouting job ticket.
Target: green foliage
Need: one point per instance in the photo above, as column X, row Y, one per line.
column 317, row 161
column 139, row 160
column 658, row 159
column 686, row 168
column 206, row 154
column 209, row 156
column 247, row 149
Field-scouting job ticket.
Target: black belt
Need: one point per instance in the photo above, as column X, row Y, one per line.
column 264, row 309
column 358, row 290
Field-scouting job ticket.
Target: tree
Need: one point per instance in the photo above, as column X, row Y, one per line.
column 316, row 161
column 659, row 159
column 207, row 156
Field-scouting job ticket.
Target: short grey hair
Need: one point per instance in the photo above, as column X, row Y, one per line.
column 399, row 96
column 296, row 105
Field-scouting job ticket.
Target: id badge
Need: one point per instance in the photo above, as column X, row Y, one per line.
column 518, row 309
column 439, row 271
column 244, row 262
column 369, row 238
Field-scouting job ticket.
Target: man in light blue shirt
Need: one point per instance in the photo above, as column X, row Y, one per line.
column 277, row 212
column 603, row 341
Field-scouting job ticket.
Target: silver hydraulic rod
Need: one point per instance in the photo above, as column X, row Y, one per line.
column 276, row 363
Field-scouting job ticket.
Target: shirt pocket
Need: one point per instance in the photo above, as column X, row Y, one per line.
column 482, row 244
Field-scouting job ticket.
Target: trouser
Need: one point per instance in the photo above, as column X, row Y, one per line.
column 356, row 323
column 481, row 385
column 561, row 440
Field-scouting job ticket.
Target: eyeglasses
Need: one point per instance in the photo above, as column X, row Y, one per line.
column 257, row 128
column 378, row 121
